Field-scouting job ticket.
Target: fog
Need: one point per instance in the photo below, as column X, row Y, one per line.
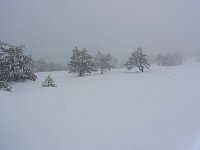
column 50, row 29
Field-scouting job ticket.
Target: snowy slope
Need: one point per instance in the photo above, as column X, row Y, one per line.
column 120, row 110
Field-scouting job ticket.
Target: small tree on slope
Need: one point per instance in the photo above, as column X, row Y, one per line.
column 81, row 62
column 138, row 59
column 48, row 82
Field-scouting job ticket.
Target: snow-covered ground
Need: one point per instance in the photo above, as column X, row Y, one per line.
column 158, row 109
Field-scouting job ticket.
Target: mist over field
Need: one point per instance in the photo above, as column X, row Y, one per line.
column 51, row 29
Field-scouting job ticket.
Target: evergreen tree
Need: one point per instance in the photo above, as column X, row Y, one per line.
column 48, row 82
column 103, row 62
column 14, row 64
column 81, row 62
column 4, row 69
column 137, row 59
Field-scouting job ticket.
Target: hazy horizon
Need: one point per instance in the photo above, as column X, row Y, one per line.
column 51, row 29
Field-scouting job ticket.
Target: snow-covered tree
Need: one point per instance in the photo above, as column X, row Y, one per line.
column 4, row 70
column 48, row 82
column 138, row 59
column 4, row 86
column 103, row 62
column 81, row 62
column 14, row 65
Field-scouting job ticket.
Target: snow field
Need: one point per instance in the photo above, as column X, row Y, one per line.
column 119, row 110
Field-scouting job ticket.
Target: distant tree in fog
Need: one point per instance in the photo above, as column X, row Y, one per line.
column 114, row 63
column 138, row 59
column 169, row 59
column 103, row 62
column 41, row 66
column 81, row 62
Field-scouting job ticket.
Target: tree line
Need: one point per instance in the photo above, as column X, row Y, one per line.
column 169, row 59
column 41, row 65
column 82, row 63
column 14, row 65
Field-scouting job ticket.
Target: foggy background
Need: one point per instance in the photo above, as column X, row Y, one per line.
column 50, row 29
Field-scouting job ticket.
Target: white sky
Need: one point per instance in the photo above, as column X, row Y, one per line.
column 52, row 28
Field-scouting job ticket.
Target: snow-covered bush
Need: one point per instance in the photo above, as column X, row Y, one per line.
column 81, row 62
column 49, row 82
column 4, row 86
column 137, row 59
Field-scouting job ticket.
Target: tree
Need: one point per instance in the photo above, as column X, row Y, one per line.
column 114, row 63
column 48, row 82
column 14, row 65
column 103, row 62
column 81, row 62
column 169, row 59
column 4, row 67
column 4, row 86
column 138, row 59
column 43, row 66
column 160, row 60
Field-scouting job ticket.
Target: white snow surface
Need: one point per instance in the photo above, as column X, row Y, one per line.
column 158, row 109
